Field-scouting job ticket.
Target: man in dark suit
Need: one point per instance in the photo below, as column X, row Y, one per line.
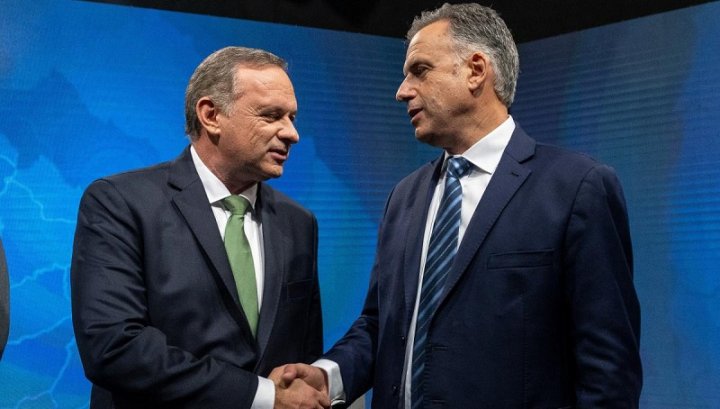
column 503, row 276
column 4, row 301
column 164, row 314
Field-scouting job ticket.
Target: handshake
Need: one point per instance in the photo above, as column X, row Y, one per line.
column 300, row 386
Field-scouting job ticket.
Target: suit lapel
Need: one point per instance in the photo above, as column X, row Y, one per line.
column 505, row 182
column 417, row 210
column 191, row 201
column 275, row 245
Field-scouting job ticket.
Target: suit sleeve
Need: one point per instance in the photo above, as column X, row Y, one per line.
column 119, row 349
column 604, row 307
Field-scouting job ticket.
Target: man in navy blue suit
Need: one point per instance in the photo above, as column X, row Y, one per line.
column 521, row 295
column 167, row 313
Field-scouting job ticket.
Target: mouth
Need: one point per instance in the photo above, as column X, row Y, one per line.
column 413, row 112
column 279, row 154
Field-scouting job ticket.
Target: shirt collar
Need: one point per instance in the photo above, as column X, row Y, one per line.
column 485, row 154
column 215, row 190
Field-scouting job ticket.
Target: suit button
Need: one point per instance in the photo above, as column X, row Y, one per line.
column 394, row 390
column 402, row 338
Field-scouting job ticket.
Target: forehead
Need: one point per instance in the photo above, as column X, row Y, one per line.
column 262, row 79
column 269, row 80
column 431, row 42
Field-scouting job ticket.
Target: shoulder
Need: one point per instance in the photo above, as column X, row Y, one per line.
column 581, row 176
column 139, row 177
column 567, row 164
column 179, row 172
column 543, row 157
column 564, row 157
column 134, row 185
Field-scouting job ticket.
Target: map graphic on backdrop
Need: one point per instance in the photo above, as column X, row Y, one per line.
column 95, row 89
column 92, row 89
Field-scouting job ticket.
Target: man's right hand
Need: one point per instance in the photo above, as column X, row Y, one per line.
column 313, row 376
column 299, row 386
column 300, row 395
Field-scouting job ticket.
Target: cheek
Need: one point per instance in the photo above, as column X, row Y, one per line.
column 248, row 142
column 260, row 134
column 436, row 96
column 439, row 106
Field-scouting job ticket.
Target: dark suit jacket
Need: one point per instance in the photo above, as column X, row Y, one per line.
column 539, row 310
column 156, row 314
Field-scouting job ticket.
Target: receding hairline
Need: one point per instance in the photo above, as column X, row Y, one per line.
column 240, row 66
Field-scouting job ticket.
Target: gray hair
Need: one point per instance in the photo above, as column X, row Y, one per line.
column 215, row 78
column 478, row 28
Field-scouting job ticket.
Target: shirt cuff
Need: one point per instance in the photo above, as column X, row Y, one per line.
column 264, row 395
column 336, row 393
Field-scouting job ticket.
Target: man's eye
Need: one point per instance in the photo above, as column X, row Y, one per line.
column 420, row 70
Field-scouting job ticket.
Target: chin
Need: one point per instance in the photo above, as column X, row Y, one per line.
column 274, row 173
column 424, row 137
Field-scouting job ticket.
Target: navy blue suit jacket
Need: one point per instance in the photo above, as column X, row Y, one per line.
column 156, row 314
column 539, row 310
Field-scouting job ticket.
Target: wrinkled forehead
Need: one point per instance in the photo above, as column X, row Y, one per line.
column 267, row 78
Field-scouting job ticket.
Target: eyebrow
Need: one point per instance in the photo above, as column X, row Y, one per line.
column 409, row 64
column 414, row 64
column 276, row 110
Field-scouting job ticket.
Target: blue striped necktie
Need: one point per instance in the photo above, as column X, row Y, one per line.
column 440, row 255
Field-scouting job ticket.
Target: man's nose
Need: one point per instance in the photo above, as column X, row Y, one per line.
column 289, row 133
column 404, row 92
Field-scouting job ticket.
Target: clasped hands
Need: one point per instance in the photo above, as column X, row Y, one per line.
column 300, row 386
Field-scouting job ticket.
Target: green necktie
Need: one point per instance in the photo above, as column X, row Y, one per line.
column 240, row 257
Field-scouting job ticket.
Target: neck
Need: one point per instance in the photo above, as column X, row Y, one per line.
column 210, row 156
column 479, row 125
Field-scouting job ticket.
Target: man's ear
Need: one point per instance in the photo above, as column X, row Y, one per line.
column 207, row 113
column 479, row 71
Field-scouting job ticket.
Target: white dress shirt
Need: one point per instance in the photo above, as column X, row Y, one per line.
column 484, row 156
column 216, row 191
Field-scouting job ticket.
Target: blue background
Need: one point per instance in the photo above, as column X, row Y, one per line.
column 90, row 89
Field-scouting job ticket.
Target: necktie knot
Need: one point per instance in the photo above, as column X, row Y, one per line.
column 237, row 205
column 458, row 166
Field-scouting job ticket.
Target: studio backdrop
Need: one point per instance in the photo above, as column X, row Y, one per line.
column 91, row 89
